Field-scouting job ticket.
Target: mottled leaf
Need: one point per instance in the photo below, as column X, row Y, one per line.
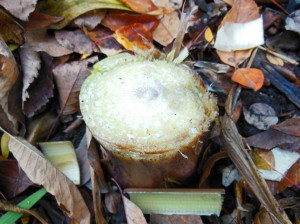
column 137, row 35
column 90, row 19
column 40, row 40
column 75, row 41
column 260, row 115
column 103, row 38
column 20, row 9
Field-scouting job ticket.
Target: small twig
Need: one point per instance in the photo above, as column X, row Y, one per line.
column 8, row 207
column 287, row 59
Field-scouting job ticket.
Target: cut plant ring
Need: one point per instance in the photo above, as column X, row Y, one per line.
column 150, row 118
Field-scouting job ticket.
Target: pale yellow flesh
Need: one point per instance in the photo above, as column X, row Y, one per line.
column 62, row 156
column 149, row 106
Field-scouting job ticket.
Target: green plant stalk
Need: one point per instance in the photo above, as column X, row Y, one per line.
column 177, row 201
column 12, row 217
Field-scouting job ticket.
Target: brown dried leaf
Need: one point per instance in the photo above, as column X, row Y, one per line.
column 9, row 74
column 167, row 29
column 69, row 78
column 20, row 9
column 134, row 215
column 290, row 126
column 40, row 171
column 175, row 219
column 141, row 6
column 31, row 63
column 242, row 11
column 11, row 31
column 291, row 178
column 210, row 162
column 41, row 89
column 75, row 41
column 38, row 20
column 274, row 138
column 95, row 163
column 264, row 217
column 235, row 148
column 263, row 159
column 39, row 40
column 234, row 58
column 13, row 179
column 90, row 19
column 103, row 38
column 116, row 21
column 112, row 201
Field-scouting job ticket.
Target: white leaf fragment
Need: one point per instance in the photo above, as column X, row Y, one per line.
column 240, row 36
column 283, row 161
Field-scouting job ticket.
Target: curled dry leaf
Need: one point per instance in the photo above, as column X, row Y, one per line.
column 40, row 171
column 260, row 115
column 31, row 63
column 71, row 9
column 41, row 89
column 252, row 78
column 103, row 38
column 20, row 9
column 11, row 31
column 13, row 179
column 75, row 41
column 69, row 78
column 137, row 35
column 167, row 28
column 39, row 40
column 9, row 74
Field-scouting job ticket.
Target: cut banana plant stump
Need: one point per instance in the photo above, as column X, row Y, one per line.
column 150, row 118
